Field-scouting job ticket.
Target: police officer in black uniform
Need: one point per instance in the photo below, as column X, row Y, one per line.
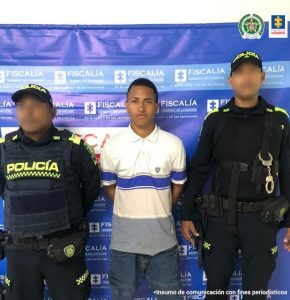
column 246, row 145
column 49, row 181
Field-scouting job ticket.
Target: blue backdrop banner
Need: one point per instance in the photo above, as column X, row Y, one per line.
column 88, row 69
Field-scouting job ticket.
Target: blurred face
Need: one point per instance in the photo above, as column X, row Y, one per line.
column 141, row 106
column 34, row 115
column 246, row 81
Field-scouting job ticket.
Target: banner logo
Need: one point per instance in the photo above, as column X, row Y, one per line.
column 120, row 76
column 59, row 77
column 251, row 26
column 278, row 27
column 180, row 75
column 2, row 77
column 90, row 108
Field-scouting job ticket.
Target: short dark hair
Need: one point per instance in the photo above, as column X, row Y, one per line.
column 144, row 82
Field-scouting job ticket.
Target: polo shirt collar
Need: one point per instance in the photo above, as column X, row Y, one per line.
column 152, row 137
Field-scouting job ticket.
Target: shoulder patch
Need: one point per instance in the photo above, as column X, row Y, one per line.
column 91, row 151
column 284, row 111
column 11, row 136
column 2, row 140
column 211, row 112
column 75, row 139
column 216, row 110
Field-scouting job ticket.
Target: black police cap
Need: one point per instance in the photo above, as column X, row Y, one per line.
column 38, row 91
column 246, row 56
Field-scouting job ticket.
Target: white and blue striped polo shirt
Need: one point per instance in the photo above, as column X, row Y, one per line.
column 143, row 170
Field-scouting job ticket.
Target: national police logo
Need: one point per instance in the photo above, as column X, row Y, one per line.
column 251, row 26
column 69, row 251
column 282, row 212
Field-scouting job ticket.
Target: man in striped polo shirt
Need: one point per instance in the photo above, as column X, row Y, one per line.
column 143, row 172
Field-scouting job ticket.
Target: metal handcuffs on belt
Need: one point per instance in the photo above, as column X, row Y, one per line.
column 270, row 184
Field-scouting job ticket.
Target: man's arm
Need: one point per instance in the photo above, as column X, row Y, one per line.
column 2, row 185
column 2, row 178
column 199, row 167
column 198, row 171
column 110, row 190
column 108, row 172
column 284, row 177
column 89, row 173
column 176, row 191
column 178, row 172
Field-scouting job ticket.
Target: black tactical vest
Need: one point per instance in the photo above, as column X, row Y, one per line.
column 239, row 138
column 42, row 192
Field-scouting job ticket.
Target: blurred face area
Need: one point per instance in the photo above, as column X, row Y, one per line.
column 142, row 107
column 246, row 81
column 34, row 115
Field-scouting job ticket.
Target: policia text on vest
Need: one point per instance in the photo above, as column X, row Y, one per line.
column 246, row 143
column 49, row 181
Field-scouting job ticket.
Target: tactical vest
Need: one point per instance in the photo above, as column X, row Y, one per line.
column 263, row 130
column 242, row 150
column 42, row 192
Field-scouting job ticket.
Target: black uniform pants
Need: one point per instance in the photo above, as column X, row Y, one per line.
column 28, row 269
column 257, row 242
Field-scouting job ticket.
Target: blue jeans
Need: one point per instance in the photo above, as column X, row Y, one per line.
column 161, row 270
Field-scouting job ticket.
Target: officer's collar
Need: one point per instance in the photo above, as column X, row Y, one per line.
column 44, row 140
column 152, row 137
column 258, row 109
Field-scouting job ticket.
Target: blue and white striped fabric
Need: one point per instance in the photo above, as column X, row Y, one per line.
column 143, row 170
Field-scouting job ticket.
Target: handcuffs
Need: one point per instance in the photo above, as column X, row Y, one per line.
column 270, row 184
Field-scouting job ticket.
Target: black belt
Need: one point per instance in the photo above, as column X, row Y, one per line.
column 30, row 243
column 35, row 243
column 242, row 167
column 241, row 207
column 244, row 207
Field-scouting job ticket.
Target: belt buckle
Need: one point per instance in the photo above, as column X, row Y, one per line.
column 250, row 208
column 243, row 206
column 243, row 167
column 240, row 206
column 43, row 244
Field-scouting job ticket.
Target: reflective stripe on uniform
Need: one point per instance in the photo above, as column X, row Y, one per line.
column 83, row 278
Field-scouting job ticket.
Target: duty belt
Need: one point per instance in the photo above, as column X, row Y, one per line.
column 37, row 244
column 236, row 167
column 242, row 207
column 241, row 166
column 31, row 243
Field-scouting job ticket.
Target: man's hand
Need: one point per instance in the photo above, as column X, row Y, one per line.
column 188, row 230
column 287, row 240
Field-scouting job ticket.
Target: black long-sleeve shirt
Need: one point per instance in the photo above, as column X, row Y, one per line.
column 83, row 162
column 203, row 159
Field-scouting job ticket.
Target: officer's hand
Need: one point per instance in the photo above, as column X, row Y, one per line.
column 287, row 240
column 188, row 230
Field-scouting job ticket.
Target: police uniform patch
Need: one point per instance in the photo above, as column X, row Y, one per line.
column 91, row 151
column 69, row 251
column 33, row 168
